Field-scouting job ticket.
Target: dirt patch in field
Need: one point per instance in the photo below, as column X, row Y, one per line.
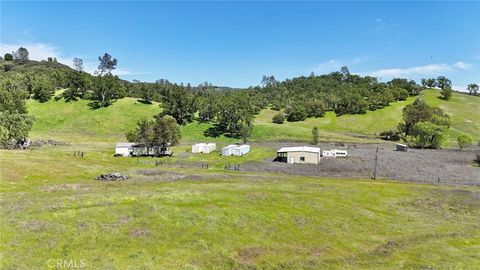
column 64, row 187
column 140, row 232
column 450, row 167
column 34, row 226
column 249, row 255
column 167, row 176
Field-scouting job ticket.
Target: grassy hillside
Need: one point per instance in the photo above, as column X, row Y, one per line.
column 464, row 112
column 71, row 121
column 215, row 219
column 75, row 121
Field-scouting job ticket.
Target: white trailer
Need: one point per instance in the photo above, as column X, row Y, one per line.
column 124, row 149
column 335, row 153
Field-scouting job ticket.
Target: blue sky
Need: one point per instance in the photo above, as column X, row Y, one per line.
column 235, row 43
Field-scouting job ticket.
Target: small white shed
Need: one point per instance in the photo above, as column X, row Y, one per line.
column 124, row 149
column 235, row 150
column 204, row 148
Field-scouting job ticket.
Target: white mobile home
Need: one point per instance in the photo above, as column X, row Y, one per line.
column 124, row 149
column 204, row 148
column 302, row 154
column 235, row 150
column 135, row 150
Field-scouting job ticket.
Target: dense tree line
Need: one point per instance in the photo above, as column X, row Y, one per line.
column 341, row 92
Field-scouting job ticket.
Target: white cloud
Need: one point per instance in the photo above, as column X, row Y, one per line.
column 37, row 51
column 328, row 66
column 462, row 65
column 432, row 69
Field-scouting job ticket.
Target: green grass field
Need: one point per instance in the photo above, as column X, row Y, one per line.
column 214, row 219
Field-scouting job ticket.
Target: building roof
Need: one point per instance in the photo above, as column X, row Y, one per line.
column 124, row 145
column 299, row 149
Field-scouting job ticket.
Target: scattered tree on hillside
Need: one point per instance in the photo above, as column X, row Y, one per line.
column 472, row 89
column 78, row 64
column 143, row 134
column 8, row 57
column 345, row 71
column 21, row 54
column 78, row 85
column 106, row 89
column 107, row 64
column 410, row 85
column 315, row 136
column 147, row 93
column 429, row 83
column 423, row 126
column 278, row 118
column 464, row 141
column 15, row 123
column 269, row 80
column 446, row 93
column 443, row 82
column 43, row 89
column 428, row 135
column 167, row 131
column 295, row 113
column 178, row 103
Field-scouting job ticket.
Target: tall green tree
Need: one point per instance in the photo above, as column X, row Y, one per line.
column 178, row 103
column 15, row 123
column 428, row 135
column 143, row 134
column 166, row 131
column 472, row 89
column 107, row 64
column 43, row 89
column 21, row 54
column 443, row 82
column 106, row 89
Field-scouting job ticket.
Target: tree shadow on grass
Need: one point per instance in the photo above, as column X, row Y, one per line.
column 213, row 131
column 144, row 101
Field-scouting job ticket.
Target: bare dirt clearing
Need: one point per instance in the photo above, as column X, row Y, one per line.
column 450, row 166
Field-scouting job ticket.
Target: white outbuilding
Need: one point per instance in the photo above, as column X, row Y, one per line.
column 302, row 154
column 124, row 149
column 204, row 148
column 235, row 150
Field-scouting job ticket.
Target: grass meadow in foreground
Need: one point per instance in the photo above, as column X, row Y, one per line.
column 180, row 218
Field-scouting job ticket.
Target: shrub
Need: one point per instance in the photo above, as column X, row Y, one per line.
column 296, row 113
column 464, row 141
column 278, row 118
column 390, row 135
column 8, row 57
column 446, row 93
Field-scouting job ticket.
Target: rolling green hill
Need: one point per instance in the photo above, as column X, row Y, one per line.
column 75, row 121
